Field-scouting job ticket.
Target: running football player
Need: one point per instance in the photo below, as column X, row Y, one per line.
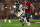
column 27, row 7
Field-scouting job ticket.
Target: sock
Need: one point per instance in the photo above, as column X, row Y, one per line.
column 9, row 21
column 5, row 20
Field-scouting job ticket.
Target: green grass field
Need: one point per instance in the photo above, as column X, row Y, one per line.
column 18, row 24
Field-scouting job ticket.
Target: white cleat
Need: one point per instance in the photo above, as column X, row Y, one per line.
column 9, row 21
column 29, row 24
column 5, row 20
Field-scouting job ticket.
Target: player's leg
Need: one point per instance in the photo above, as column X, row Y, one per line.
column 19, row 15
column 9, row 18
column 27, row 17
column 20, row 19
column 5, row 14
column 23, row 21
column 5, row 19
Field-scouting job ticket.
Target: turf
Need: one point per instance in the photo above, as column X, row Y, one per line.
column 18, row 24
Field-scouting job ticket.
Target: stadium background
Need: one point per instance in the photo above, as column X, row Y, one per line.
column 36, row 3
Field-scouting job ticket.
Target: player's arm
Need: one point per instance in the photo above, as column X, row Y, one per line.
column 32, row 7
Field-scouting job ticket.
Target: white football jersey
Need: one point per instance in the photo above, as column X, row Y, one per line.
column 21, row 11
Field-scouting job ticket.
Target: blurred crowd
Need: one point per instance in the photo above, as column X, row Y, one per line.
column 11, row 3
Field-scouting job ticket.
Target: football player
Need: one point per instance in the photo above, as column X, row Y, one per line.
column 27, row 7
